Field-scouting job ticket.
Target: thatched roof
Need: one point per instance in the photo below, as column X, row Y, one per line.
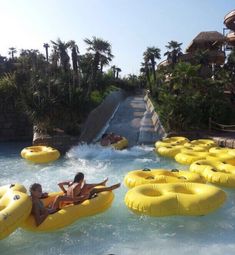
column 206, row 39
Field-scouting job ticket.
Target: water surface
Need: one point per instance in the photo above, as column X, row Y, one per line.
column 117, row 231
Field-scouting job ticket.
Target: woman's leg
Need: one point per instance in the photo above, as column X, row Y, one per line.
column 58, row 199
column 91, row 186
column 98, row 190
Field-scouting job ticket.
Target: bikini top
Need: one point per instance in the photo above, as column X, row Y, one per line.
column 40, row 204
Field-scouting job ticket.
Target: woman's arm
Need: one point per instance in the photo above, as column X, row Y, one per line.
column 62, row 184
column 39, row 218
column 44, row 195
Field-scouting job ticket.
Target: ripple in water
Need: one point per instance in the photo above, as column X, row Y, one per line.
column 116, row 231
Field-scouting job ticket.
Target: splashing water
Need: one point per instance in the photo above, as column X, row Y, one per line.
column 116, row 231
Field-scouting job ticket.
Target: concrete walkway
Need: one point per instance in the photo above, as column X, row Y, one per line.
column 133, row 121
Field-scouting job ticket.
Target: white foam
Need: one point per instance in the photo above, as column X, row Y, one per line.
column 117, row 231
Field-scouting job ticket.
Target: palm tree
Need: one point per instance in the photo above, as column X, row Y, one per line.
column 118, row 70
column 12, row 51
column 145, row 71
column 62, row 47
column 85, row 64
column 104, row 61
column 46, row 46
column 31, row 59
column 114, row 70
column 151, row 54
column 75, row 51
column 55, row 56
column 74, row 55
column 202, row 57
column 101, row 50
column 174, row 51
column 185, row 79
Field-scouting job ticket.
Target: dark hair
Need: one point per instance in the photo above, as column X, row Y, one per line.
column 34, row 186
column 78, row 177
column 104, row 135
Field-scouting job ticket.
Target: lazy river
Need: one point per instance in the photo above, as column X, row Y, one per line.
column 117, row 231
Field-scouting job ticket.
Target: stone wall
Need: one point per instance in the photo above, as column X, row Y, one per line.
column 155, row 119
column 14, row 126
column 59, row 141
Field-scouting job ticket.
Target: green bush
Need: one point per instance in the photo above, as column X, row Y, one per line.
column 186, row 102
column 8, row 87
column 96, row 97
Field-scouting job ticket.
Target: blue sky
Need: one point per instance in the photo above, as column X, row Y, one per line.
column 129, row 25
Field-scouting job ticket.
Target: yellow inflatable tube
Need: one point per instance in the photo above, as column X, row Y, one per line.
column 222, row 150
column 222, row 156
column 218, row 150
column 197, row 148
column 207, row 143
column 169, row 151
column 120, row 145
column 175, row 140
column 215, row 171
column 40, row 154
column 70, row 213
column 174, row 199
column 15, row 207
column 188, row 157
column 147, row 176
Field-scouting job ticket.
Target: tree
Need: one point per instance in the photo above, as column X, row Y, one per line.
column 55, row 58
column 104, row 61
column 230, row 68
column 75, row 51
column 61, row 48
column 46, row 46
column 144, row 70
column 12, row 51
column 101, row 50
column 3, row 61
column 118, row 70
column 151, row 54
column 114, row 70
column 174, row 51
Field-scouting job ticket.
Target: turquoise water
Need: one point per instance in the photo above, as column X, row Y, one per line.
column 116, row 231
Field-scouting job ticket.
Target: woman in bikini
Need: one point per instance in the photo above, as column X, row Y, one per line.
column 39, row 211
column 79, row 190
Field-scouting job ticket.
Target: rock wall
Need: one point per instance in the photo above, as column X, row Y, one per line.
column 59, row 141
column 155, row 119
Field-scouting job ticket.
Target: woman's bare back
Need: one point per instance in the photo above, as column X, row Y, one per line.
column 74, row 190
